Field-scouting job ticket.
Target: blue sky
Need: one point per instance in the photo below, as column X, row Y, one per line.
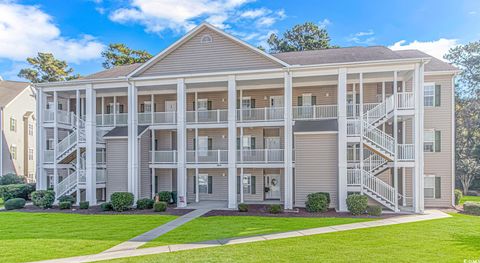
column 77, row 31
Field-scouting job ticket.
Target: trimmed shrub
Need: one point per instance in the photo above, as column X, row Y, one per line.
column 66, row 198
column 458, row 196
column 11, row 179
column 121, row 201
column 242, row 207
column 164, row 196
column 374, row 210
column 107, row 206
column 43, row 198
column 65, row 205
column 145, row 203
column 16, row 191
column 160, row 207
column 472, row 208
column 275, row 209
column 357, row 204
column 15, row 203
column 317, row 202
column 84, row 205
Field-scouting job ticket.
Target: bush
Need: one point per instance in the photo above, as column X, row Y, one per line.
column 66, row 198
column 458, row 196
column 164, row 196
column 317, row 202
column 43, row 198
column 472, row 208
column 84, row 205
column 242, row 207
column 11, row 179
column 357, row 204
column 374, row 210
column 16, row 191
column 145, row 203
column 275, row 209
column 174, row 197
column 107, row 206
column 15, row 203
column 65, row 205
column 121, row 201
column 160, row 207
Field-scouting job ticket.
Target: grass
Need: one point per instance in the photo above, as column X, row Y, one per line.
column 219, row 227
column 39, row 236
column 1, row 202
column 443, row 240
column 469, row 198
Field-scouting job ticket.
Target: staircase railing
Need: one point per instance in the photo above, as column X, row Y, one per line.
column 380, row 111
column 379, row 187
column 66, row 184
column 379, row 138
column 373, row 162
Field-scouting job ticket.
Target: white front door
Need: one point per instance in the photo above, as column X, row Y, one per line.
column 272, row 183
column 276, row 108
column 170, row 105
column 272, row 142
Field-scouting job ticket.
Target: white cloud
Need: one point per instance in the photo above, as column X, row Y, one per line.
column 324, row 23
column 472, row 13
column 363, row 37
column 26, row 30
column 255, row 13
column 436, row 48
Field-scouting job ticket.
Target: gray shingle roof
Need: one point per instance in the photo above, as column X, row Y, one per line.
column 123, row 131
column 316, row 126
column 10, row 89
column 435, row 64
column 119, row 71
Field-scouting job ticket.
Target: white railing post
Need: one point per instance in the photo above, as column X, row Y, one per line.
column 218, row 115
column 265, row 114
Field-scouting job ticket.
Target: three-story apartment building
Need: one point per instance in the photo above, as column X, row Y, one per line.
column 216, row 119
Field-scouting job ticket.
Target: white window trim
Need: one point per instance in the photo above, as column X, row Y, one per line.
column 434, row 190
column 206, row 183
column 30, row 153
column 13, row 149
column 425, row 85
column 247, row 187
column 433, row 142
column 247, row 142
column 30, row 129
column 202, row 101
column 14, row 126
column 306, row 95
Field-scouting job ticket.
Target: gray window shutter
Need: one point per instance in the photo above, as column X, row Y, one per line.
column 438, row 187
column 252, row 103
column 238, row 104
column 314, row 100
column 210, row 183
column 438, row 141
column 253, row 185
column 108, row 109
column 252, row 143
column 238, row 143
column 121, row 109
column 194, row 144
column 142, row 107
column 438, row 96
column 209, row 105
column 210, row 144
column 299, row 101
column 238, row 185
column 193, row 104
column 194, row 184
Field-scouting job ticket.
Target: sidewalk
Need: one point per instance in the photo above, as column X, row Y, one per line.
column 429, row 215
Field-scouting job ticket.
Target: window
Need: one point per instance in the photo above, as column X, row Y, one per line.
column 30, row 129
column 13, row 124
column 247, row 184
column 247, row 142
column 203, row 146
column 204, row 184
column 432, row 141
column 13, row 152
column 429, row 95
column 307, row 99
column 30, row 154
column 202, row 104
column 432, row 186
column 146, row 106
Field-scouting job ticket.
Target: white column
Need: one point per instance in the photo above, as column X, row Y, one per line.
column 114, row 108
column 288, row 136
column 152, row 108
column 418, row 198
column 197, row 194
column 133, row 185
column 181, row 145
column 152, row 158
column 361, row 132
column 90, row 145
column 1, row 143
column 395, row 136
column 103, row 110
column 232, row 142
column 342, row 139
column 77, row 124
column 55, row 142
column 40, row 140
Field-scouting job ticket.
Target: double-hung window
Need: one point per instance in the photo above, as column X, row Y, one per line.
column 432, row 141
column 431, row 95
column 432, row 186
column 203, row 146
column 30, row 154
column 247, row 184
column 205, row 184
column 13, row 152
column 13, row 124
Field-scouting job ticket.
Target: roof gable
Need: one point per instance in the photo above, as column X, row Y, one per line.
column 9, row 90
column 207, row 49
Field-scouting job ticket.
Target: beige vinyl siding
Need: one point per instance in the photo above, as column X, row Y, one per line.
column 259, row 185
column 219, row 99
column 222, row 54
column 261, row 97
column 117, row 166
column 165, row 139
column 440, row 163
column 165, row 180
column 219, row 185
column 316, row 166
column 161, row 99
column 219, row 138
column 319, row 91
column 145, row 180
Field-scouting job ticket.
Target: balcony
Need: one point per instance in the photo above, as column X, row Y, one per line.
column 101, row 176
column 260, row 114
column 119, row 119
column 208, row 156
column 354, row 110
column 406, row 152
column 157, row 118
column 257, row 156
column 164, row 157
column 315, row 112
column 207, row 116
column 405, row 101
column 63, row 117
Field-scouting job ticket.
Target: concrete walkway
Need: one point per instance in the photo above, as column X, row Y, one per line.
column 429, row 215
column 140, row 240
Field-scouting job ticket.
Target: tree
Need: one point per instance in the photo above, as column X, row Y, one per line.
column 467, row 58
column 46, row 68
column 119, row 54
column 307, row 36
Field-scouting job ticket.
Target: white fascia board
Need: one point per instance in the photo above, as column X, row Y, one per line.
column 444, row 72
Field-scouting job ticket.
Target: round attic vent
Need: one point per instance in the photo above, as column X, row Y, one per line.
column 206, row 39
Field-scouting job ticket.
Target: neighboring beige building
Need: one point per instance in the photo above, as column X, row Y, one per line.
column 18, row 129
column 219, row 121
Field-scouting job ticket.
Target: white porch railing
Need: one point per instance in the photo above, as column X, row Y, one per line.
column 315, row 112
column 260, row 114
column 101, row 176
column 121, row 119
column 379, row 187
column 69, row 141
column 260, row 156
column 405, row 100
column 207, row 116
column 354, row 110
column 354, row 177
column 63, row 117
column 101, row 157
column 379, row 138
column 158, row 118
column 208, row 156
column 48, row 156
column 66, row 184
column 406, row 152
column 353, row 127
column 380, row 111
column 164, row 157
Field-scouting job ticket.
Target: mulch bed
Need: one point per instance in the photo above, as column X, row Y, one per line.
column 262, row 210
column 96, row 210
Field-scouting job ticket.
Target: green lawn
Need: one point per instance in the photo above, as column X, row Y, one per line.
column 219, row 227
column 442, row 240
column 469, row 198
column 1, row 202
column 38, row 236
